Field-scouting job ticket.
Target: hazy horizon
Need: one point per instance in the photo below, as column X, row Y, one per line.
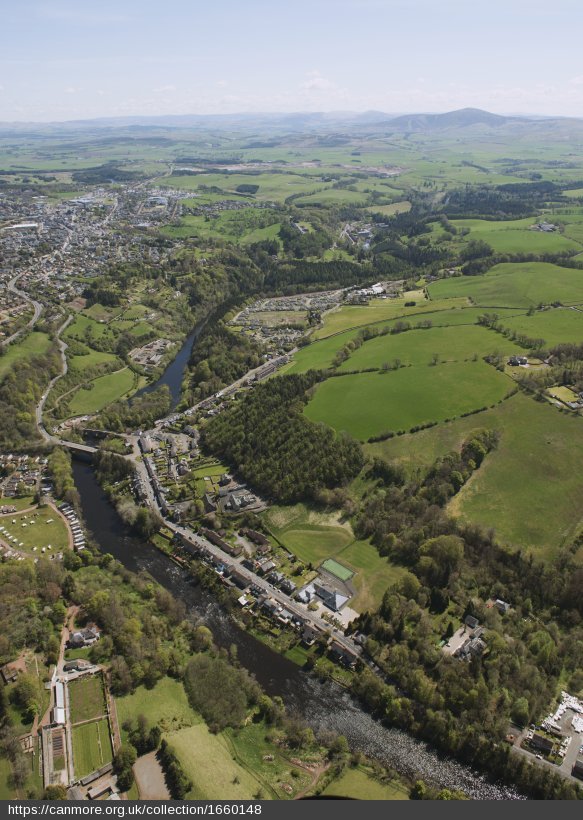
column 64, row 61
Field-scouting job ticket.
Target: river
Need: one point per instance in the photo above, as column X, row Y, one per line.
column 173, row 375
column 322, row 705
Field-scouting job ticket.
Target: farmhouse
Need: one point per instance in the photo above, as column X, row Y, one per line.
column 517, row 361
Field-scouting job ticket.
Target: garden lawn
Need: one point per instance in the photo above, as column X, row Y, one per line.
column 515, row 284
column 105, row 390
column 367, row 404
column 86, row 698
column 91, row 747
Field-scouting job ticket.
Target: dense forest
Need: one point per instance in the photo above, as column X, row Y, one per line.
column 272, row 445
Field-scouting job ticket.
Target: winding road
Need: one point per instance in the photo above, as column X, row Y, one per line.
column 36, row 305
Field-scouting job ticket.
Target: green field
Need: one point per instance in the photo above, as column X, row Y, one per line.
column 516, row 236
column 90, row 359
column 35, row 344
column 555, row 326
column 208, row 762
column 515, row 284
column 530, row 489
column 350, row 316
column 314, row 537
column 166, row 705
column 340, row 571
column 310, row 535
column 91, row 747
column 367, row 404
column 360, row 784
column 417, row 347
column 320, row 353
column 105, row 390
column 43, row 528
column 86, row 698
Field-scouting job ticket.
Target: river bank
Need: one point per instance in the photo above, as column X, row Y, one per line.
column 322, row 704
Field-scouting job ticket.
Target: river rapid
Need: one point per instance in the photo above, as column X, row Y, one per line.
column 323, row 705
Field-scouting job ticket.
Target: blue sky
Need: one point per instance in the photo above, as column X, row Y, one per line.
column 64, row 60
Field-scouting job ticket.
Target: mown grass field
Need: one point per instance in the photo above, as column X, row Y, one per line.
column 359, row 784
column 86, row 698
column 35, row 344
column 367, row 404
column 166, row 704
column 33, row 529
column 418, row 347
column 104, row 391
column 530, row 489
column 314, row 536
column 208, row 761
column 91, row 747
column 515, row 284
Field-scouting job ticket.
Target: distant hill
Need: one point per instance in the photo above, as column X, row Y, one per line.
column 462, row 118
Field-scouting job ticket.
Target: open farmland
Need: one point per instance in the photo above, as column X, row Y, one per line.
column 368, row 404
column 516, row 236
column 418, row 347
column 529, row 489
column 515, row 284
column 555, row 326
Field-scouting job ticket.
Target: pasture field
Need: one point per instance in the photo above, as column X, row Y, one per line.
column 86, row 698
column 335, row 196
column 516, row 236
column 91, row 747
column 515, row 284
column 32, row 530
column 90, row 359
column 351, row 316
column 392, row 209
column 35, row 344
column 207, row 760
column 417, row 347
column 272, row 186
column 241, row 226
column 320, row 353
column 360, row 784
column 529, row 489
column 166, row 705
column 102, row 313
column 86, row 330
column 104, row 390
column 368, row 404
column 555, row 326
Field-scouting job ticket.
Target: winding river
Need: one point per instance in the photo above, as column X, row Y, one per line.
column 321, row 705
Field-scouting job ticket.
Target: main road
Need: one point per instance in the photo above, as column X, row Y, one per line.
column 36, row 305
